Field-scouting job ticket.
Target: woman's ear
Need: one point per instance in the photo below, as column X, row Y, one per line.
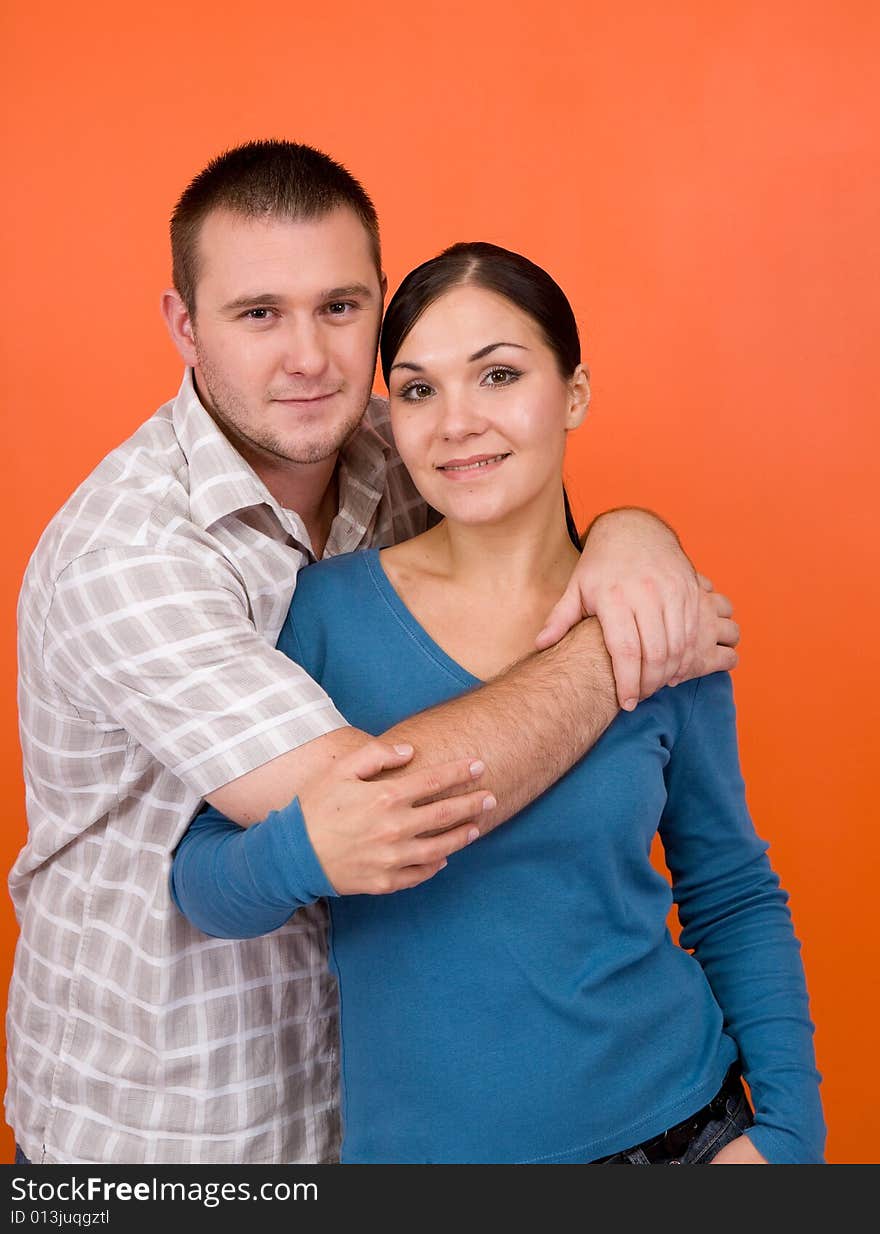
column 579, row 397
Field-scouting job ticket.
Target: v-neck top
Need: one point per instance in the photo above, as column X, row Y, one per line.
column 528, row 1003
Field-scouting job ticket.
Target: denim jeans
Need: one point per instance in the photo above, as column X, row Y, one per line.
column 730, row 1123
column 20, row 1158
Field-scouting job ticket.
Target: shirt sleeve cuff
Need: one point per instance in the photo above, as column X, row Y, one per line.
column 280, row 848
column 782, row 1148
column 229, row 760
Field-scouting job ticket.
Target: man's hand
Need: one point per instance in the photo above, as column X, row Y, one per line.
column 375, row 837
column 650, row 602
column 740, row 1151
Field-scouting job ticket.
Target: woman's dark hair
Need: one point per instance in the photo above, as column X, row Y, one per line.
column 496, row 269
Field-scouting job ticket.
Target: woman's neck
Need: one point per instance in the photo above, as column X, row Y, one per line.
column 499, row 560
column 483, row 593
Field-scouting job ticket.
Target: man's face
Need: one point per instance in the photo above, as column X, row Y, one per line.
column 285, row 330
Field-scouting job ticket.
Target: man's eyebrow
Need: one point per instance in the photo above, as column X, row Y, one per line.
column 478, row 355
column 263, row 299
column 351, row 289
column 271, row 299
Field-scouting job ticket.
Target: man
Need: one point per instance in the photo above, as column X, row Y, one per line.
column 149, row 682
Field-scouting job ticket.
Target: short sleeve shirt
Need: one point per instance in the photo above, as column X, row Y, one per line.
column 148, row 677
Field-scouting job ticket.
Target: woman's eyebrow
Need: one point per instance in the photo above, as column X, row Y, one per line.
column 484, row 351
column 478, row 355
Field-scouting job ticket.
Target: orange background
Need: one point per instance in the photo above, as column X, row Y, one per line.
column 703, row 180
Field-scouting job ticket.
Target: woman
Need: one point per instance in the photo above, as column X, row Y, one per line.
column 527, row 1004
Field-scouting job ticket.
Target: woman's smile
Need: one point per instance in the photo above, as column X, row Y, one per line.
column 470, row 468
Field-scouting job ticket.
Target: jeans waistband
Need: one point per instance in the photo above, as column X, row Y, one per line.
column 673, row 1141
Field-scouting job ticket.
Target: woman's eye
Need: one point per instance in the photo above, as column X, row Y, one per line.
column 416, row 392
column 501, row 376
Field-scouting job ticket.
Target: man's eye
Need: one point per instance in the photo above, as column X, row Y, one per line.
column 416, row 392
column 258, row 314
column 339, row 308
column 501, row 376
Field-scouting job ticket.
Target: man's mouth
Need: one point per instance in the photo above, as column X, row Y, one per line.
column 300, row 399
column 478, row 462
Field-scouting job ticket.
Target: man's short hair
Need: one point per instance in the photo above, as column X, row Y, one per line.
column 280, row 179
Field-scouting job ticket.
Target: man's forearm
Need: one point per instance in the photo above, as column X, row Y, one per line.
column 528, row 725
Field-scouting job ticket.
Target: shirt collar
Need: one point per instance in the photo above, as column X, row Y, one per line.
column 221, row 482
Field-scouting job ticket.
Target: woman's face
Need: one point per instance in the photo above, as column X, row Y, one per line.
column 479, row 408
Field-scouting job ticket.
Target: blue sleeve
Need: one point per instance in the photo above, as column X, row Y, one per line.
column 735, row 918
column 239, row 882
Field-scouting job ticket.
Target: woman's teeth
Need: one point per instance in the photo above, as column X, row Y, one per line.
column 473, row 466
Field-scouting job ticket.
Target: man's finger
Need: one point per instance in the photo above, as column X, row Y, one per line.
column 674, row 616
column 705, row 583
column 622, row 641
column 722, row 604
column 691, row 633
column 652, row 636
column 565, row 614
column 728, row 633
column 724, row 660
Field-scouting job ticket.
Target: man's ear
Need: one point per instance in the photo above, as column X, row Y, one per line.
column 579, row 397
column 180, row 326
column 383, row 283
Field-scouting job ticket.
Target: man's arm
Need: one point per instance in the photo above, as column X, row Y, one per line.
column 636, row 578
column 528, row 726
column 160, row 642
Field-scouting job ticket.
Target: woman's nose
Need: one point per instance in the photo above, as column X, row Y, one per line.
column 460, row 416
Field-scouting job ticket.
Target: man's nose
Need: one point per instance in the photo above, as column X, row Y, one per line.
column 305, row 352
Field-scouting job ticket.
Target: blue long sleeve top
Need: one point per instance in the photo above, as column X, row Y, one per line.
column 528, row 1003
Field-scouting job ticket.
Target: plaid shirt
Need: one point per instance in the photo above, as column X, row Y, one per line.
column 148, row 677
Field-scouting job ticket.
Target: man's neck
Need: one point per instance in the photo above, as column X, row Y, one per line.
column 319, row 521
column 310, row 490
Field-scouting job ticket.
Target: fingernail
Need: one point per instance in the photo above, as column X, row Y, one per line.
column 477, row 768
column 443, row 865
column 404, row 749
column 630, row 704
column 489, row 803
column 473, row 834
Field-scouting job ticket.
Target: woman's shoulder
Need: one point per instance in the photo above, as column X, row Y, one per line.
column 678, row 709
column 323, row 578
column 698, row 693
column 328, row 596
column 702, row 705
